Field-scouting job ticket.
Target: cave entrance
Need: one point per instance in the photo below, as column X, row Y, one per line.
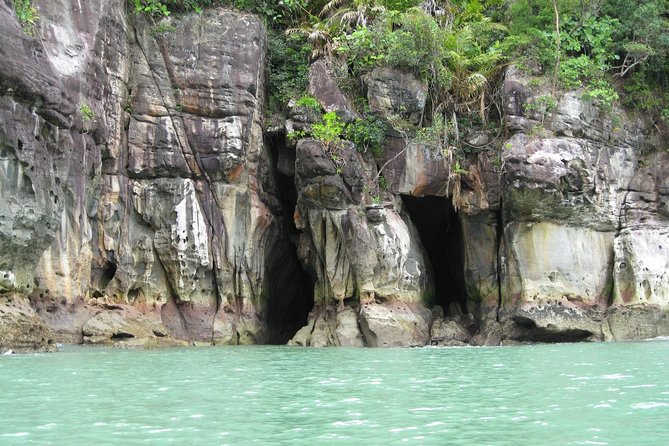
column 290, row 287
column 440, row 232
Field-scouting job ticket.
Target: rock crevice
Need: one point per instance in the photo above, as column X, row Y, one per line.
column 142, row 202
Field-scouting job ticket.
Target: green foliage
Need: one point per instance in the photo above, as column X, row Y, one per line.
column 86, row 112
column 329, row 130
column 664, row 116
column 591, row 36
column 457, row 62
column 417, row 44
column 367, row 133
column 399, row 5
column 575, row 70
column 601, row 91
column 545, row 103
column 642, row 33
column 27, row 15
column 585, row 50
column 458, row 169
column 151, row 7
column 296, row 134
column 459, row 46
column 412, row 41
column 308, row 101
column 162, row 28
column 364, row 49
column 288, row 67
column 598, row 39
column 272, row 11
column 435, row 134
column 383, row 183
column 275, row 13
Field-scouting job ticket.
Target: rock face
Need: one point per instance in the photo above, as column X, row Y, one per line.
column 134, row 172
column 570, row 187
column 393, row 92
column 21, row 329
column 363, row 257
column 142, row 202
column 641, row 261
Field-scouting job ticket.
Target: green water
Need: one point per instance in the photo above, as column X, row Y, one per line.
column 529, row 395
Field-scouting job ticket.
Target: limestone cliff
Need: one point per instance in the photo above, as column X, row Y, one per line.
column 135, row 176
column 143, row 201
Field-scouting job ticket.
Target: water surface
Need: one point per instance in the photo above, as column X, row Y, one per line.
column 614, row 394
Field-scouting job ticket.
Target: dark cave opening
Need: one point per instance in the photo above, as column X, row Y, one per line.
column 290, row 287
column 528, row 331
column 105, row 274
column 440, row 232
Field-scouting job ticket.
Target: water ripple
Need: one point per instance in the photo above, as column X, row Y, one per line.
column 558, row 394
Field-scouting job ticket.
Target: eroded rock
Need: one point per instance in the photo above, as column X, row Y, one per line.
column 391, row 91
column 395, row 324
column 21, row 329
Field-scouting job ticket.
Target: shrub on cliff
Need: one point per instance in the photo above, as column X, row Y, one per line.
column 289, row 67
column 274, row 12
column 27, row 15
column 601, row 43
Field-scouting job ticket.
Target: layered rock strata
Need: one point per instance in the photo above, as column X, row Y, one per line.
column 138, row 195
column 142, row 201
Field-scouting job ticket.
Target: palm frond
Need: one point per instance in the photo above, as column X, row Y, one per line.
column 331, row 6
column 475, row 82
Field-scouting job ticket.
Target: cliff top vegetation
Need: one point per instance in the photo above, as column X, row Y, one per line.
column 614, row 50
column 459, row 43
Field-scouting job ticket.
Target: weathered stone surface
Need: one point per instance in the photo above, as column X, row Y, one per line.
column 140, row 196
column 479, row 190
column 421, row 169
column 642, row 266
column 546, row 262
column 125, row 326
column 391, row 91
column 395, row 324
column 557, row 277
column 317, row 179
column 64, row 317
column 355, row 257
column 490, row 334
column 481, row 268
column 637, row 322
column 563, row 192
column 572, row 116
column 329, row 327
column 350, row 256
column 452, row 331
column 323, row 86
column 21, row 330
column 566, row 180
column 162, row 194
column 641, row 272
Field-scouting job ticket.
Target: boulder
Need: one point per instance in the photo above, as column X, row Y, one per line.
column 330, row 328
column 452, row 331
column 395, row 324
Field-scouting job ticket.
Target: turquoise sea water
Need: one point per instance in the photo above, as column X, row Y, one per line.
column 614, row 394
